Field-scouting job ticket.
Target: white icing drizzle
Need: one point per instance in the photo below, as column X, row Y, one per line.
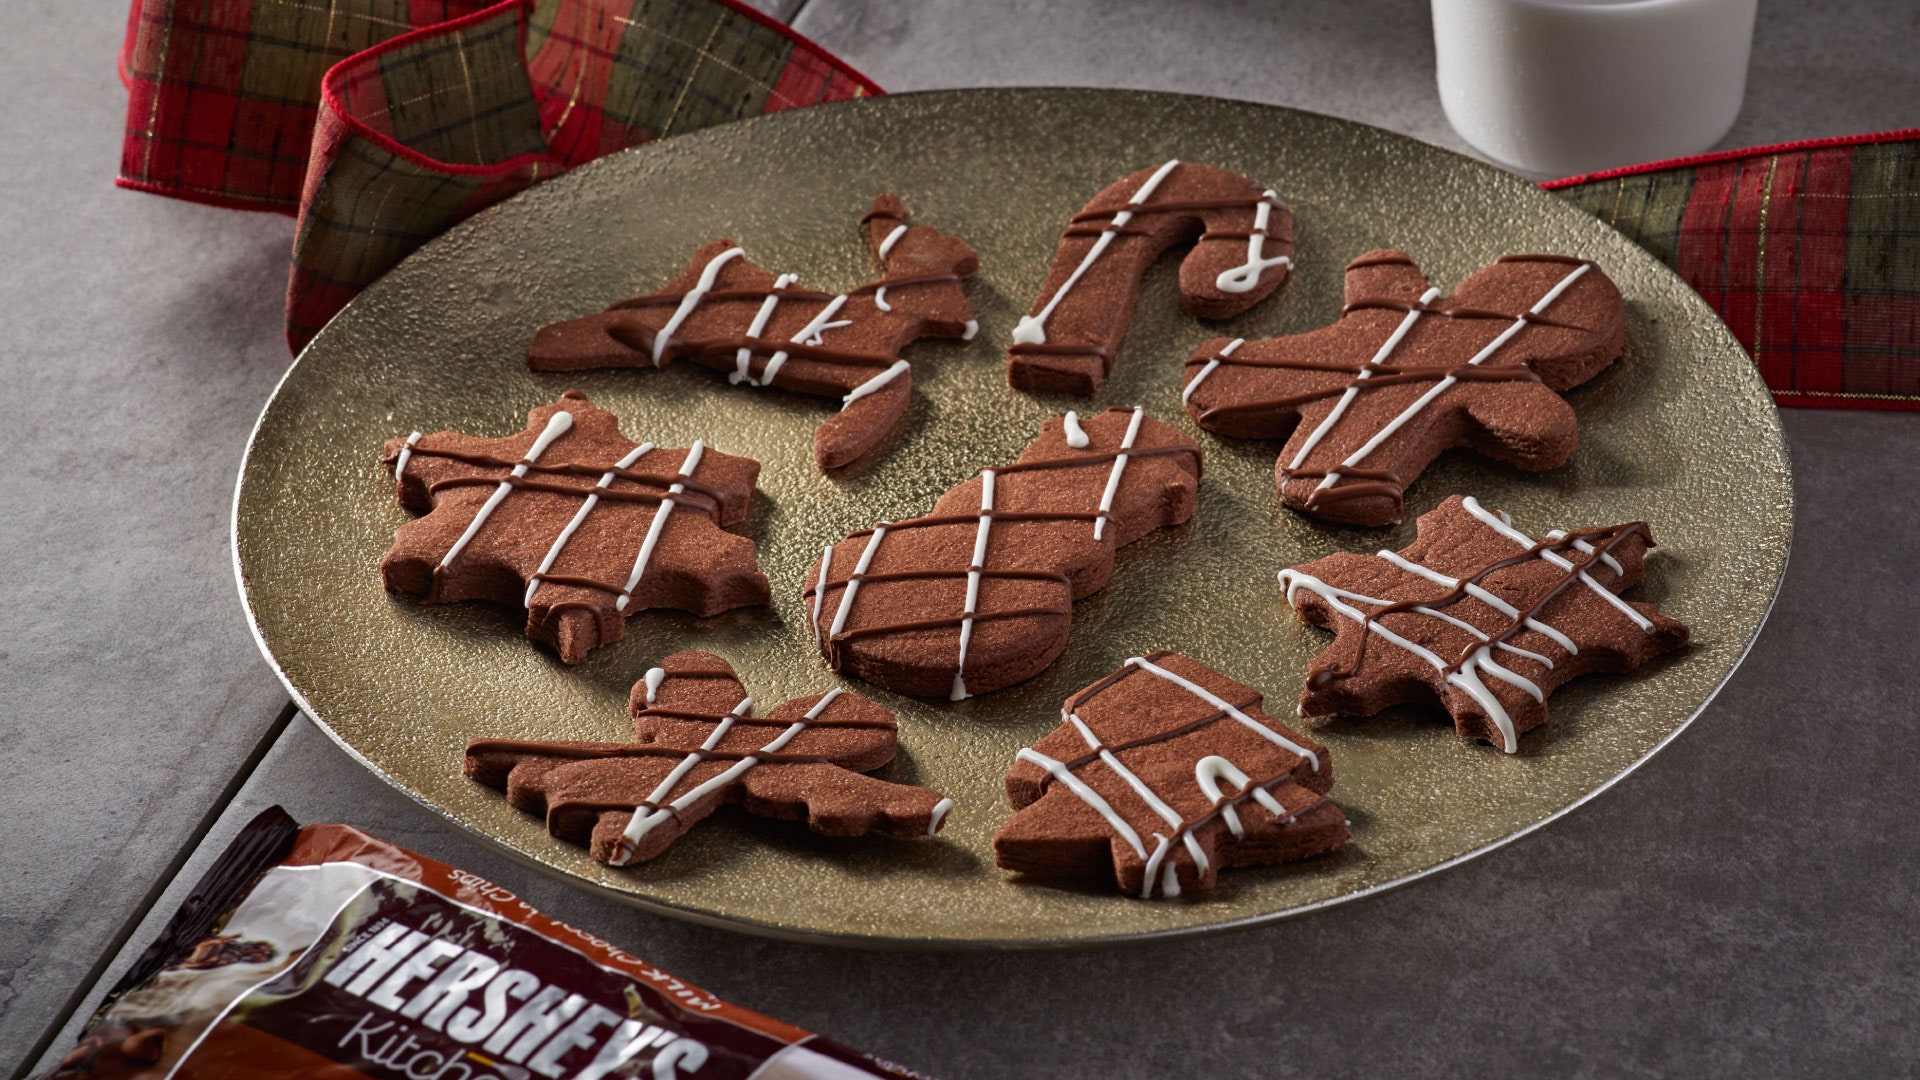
column 1210, row 770
column 1032, row 329
column 1440, row 387
column 853, row 584
column 1092, row 798
column 1212, row 363
column 1170, row 886
column 1227, row 707
column 820, row 589
column 893, row 238
column 880, row 299
column 1466, row 678
column 645, row 820
column 1146, row 793
column 1244, row 277
column 1506, row 529
column 938, row 815
column 644, row 823
column 557, row 425
column 692, row 300
column 659, row 522
column 744, row 356
column 806, row 335
column 959, row 692
column 1379, row 357
column 1113, row 478
column 1485, row 597
column 874, row 383
column 406, row 453
column 655, row 676
column 1583, row 547
column 1076, row 435
column 586, row 507
column 973, row 327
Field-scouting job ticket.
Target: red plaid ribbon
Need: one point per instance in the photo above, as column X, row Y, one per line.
column 1810, row 251
column 383, row 122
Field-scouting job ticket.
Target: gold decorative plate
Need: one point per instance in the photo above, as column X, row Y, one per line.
column 1680, row 433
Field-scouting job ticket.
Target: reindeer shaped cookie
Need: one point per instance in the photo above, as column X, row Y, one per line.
column 761, row 329
column 698, row 745
column 1406, row 373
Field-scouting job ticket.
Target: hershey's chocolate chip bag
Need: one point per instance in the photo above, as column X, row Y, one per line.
column 322, row 953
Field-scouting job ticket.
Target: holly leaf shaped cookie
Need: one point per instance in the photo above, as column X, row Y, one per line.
column 1161, row 774
column 1367, row 403
column 1243, row 248
column 978, row 594
column 1479, row 615
column 574, row 522
column 762, row 329
column 697, row 745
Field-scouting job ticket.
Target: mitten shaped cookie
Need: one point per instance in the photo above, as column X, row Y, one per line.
column 978, row 595
column 574, row 522
column 1244, row 248
column 1480, row 615
column 697, row 745
column 1160, row 775
column 1367, row 403
column 727, row 314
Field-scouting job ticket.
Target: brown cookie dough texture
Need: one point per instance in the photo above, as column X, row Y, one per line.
column 1480, row 615
column 762, row 329
column 1367, row 403
column 697, row 745
column 978, row 594
column 1244, row 249
column 574, row 522
column 1160, row 775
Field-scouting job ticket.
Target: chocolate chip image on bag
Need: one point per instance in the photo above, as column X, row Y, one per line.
column 322, row 952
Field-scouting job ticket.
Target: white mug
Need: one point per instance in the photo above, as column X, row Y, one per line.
column 1555, row 87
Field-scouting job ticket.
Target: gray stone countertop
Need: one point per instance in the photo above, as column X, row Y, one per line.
column 1743, row 905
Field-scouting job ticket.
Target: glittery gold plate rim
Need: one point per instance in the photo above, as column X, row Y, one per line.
column 1680, row 433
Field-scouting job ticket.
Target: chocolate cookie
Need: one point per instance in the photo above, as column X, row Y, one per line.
column 574, row 522
column 1428, row 621
column 979, row 594
column 1406, row 373
column 1244, row 250
column 697, row 745
column 1161, row 774
column 727, row 314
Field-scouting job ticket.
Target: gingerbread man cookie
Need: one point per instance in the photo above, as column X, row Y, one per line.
column 1479, row 615
column 1066, row 344
column 761, row 329
column 1161, row 774
column 575, row 523
column 978, row 595
column 697, row 745
column 1368, row 402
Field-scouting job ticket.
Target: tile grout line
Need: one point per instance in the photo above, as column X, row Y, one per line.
column 793, row 20
column 118, row 943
